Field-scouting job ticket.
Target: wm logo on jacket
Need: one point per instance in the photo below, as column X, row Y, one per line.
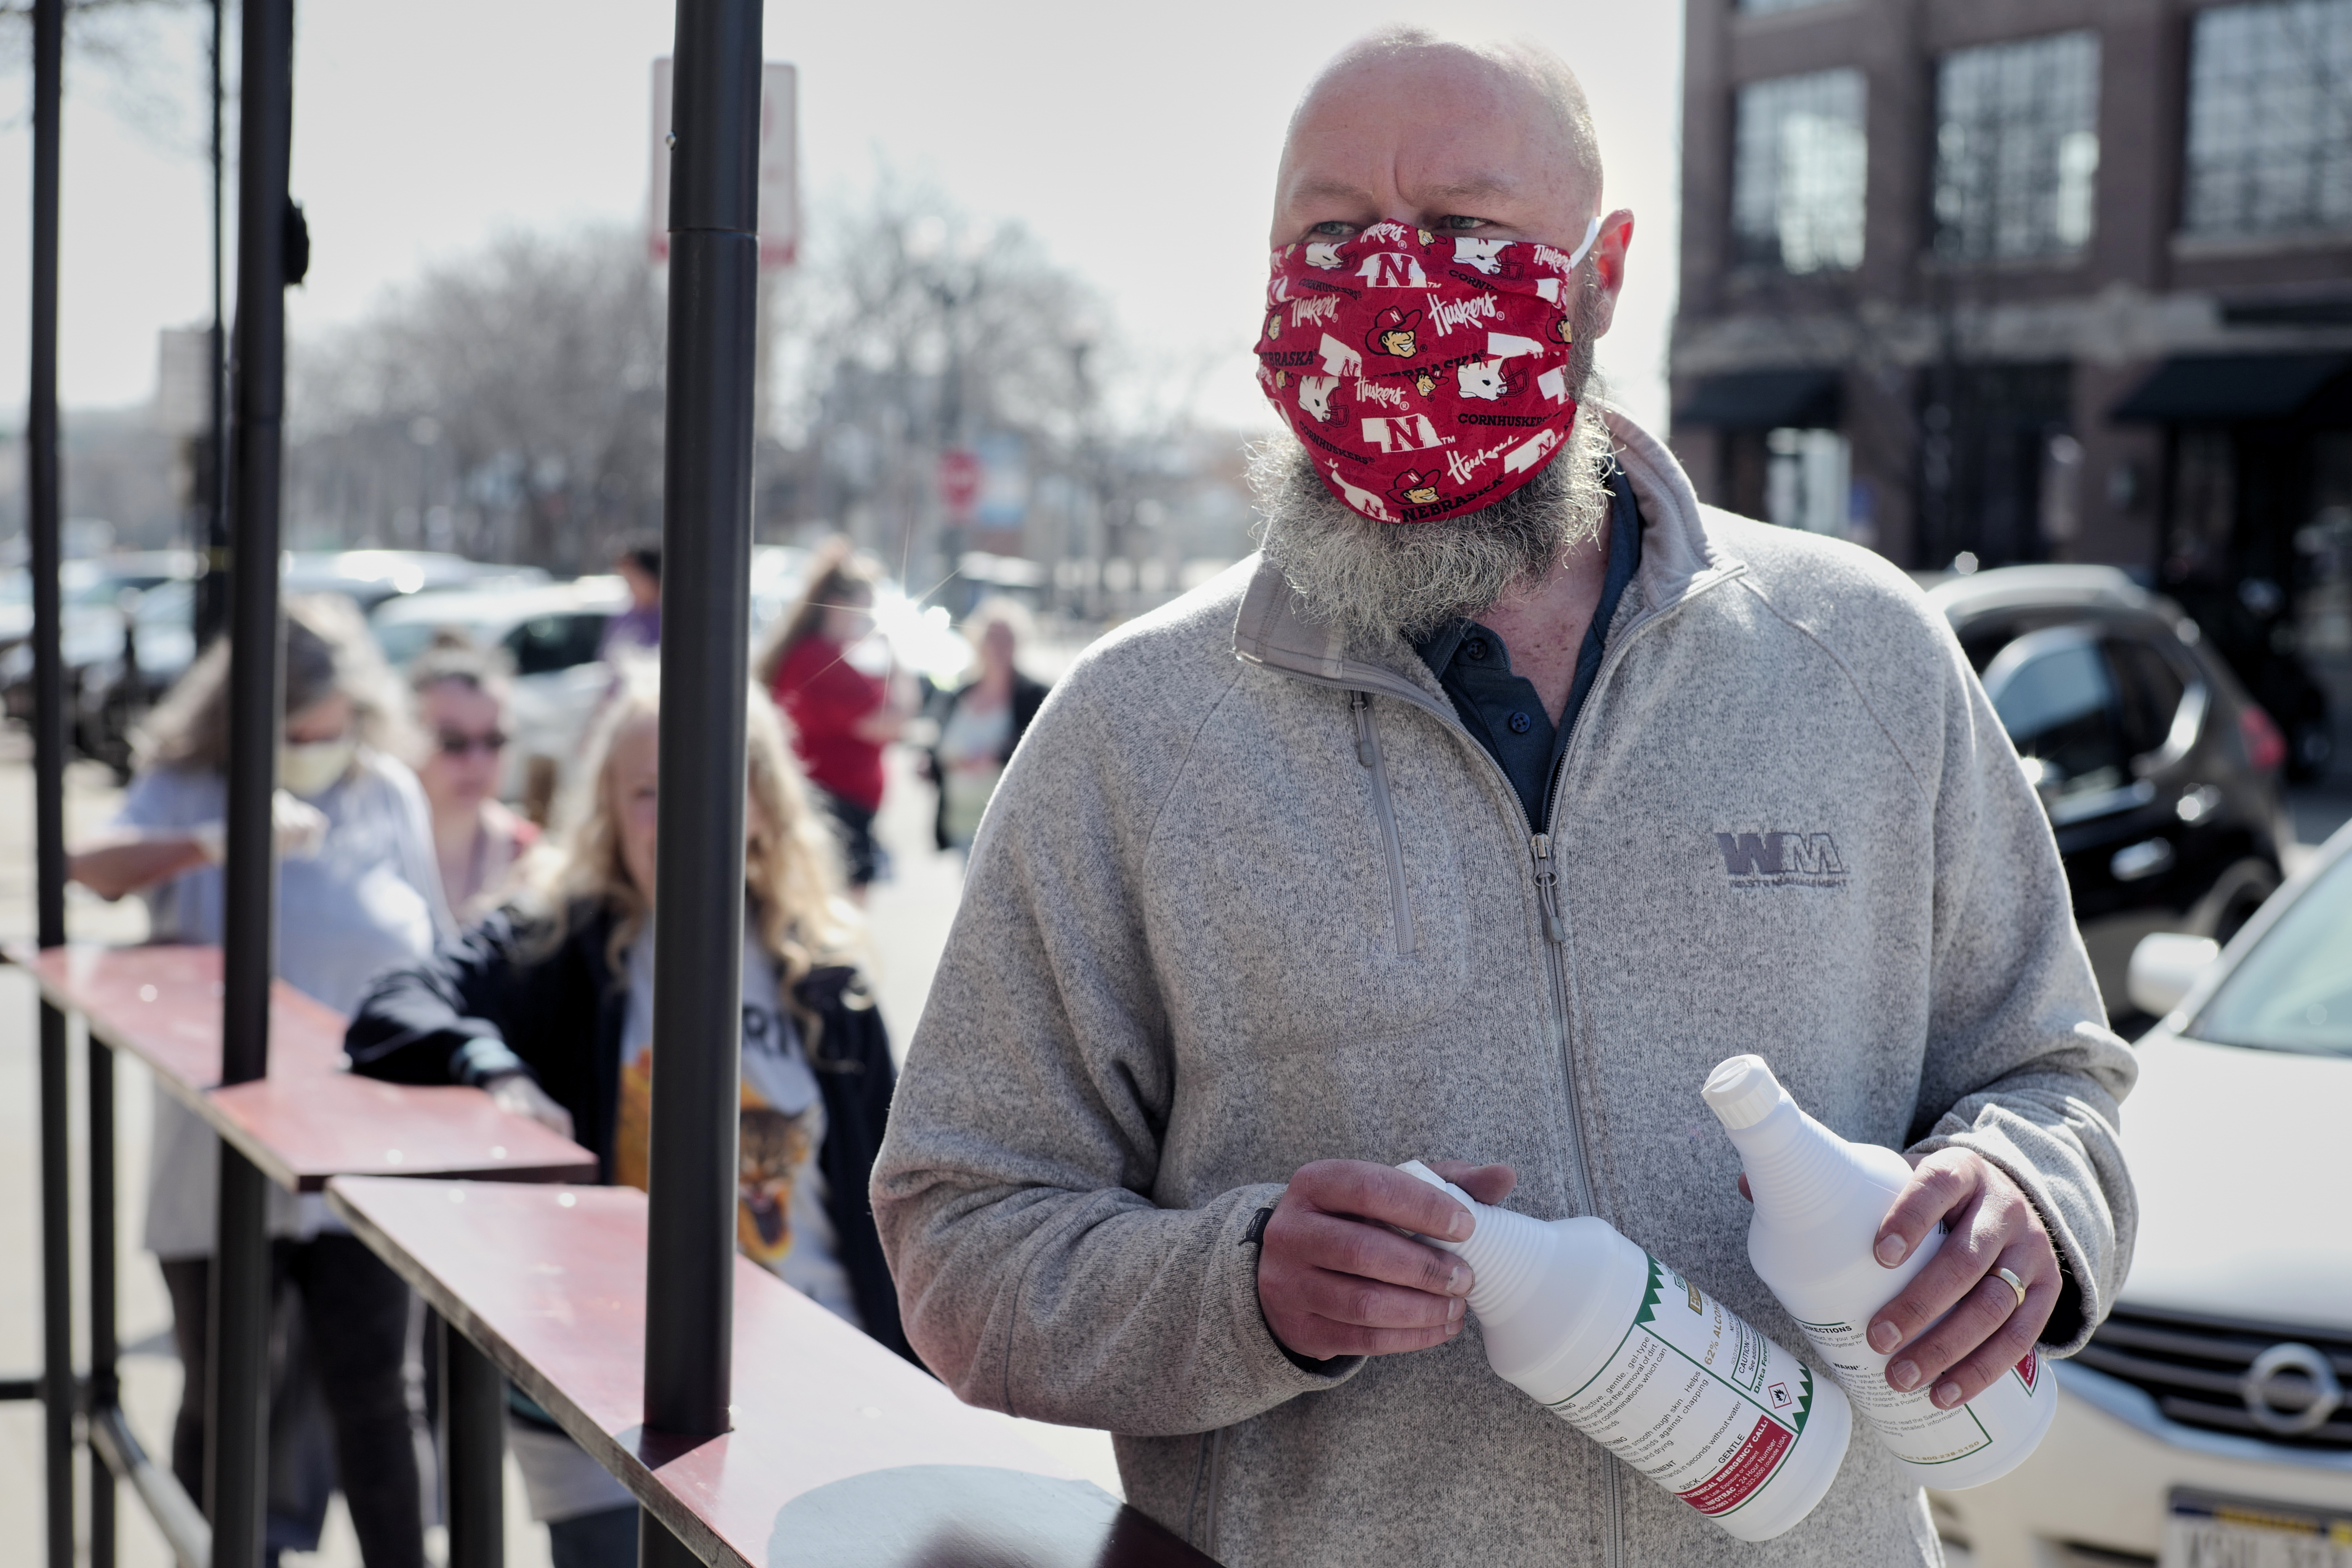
column 1781, row 859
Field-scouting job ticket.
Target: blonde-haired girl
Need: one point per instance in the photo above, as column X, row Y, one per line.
column 547, row 1003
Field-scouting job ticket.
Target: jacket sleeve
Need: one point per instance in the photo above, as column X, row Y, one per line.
column 1035, row 1273
column 2020, row 1065
column 437, row 1020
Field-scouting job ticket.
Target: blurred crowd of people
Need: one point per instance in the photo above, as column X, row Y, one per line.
column 468, row 943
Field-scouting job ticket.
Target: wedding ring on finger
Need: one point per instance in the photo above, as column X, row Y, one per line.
column 2014, row 1283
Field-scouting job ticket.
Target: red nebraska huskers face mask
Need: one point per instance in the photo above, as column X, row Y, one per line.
column 1426, row 374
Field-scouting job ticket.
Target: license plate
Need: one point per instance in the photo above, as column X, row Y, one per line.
column 2208, row 1530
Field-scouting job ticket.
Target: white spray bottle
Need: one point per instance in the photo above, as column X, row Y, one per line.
column 1648, row 1365
column 1819, row 1204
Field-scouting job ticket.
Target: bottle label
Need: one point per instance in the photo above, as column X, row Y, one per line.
column 1693, row 1398
column 1910, row 1426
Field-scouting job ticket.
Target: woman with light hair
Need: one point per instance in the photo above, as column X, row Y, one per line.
column 982, row 720
column 548, row 1005
column 461, row 704
column 357, row 892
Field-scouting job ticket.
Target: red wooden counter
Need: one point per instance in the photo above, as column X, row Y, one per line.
column 310, row 1119
column 843, row 1455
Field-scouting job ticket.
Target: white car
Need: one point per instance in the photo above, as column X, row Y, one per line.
column 550, row 632
column 2206, row 1422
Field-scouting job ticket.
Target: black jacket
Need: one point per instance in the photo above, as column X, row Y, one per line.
column 1028, row 696
column 487, row 1002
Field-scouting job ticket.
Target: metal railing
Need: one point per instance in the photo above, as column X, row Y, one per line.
column 714, row 260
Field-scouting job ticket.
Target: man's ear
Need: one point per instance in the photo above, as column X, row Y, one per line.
column 1609, row 265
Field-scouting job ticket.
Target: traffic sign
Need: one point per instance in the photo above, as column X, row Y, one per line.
column 960, row 473
column 779, row 197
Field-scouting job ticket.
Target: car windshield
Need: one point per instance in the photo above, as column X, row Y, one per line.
column 2057, row 698
column 403, row 641
column 2293, row 991
column 170, row 604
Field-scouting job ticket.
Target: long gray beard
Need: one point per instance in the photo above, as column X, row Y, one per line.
column 1387, row 583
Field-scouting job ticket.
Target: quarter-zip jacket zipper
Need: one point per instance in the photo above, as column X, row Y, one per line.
column 1554, row 922
column 1368, row 751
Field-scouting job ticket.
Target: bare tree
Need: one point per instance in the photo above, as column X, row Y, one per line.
column 508, row 403
column 143, row 52
column 913, row 330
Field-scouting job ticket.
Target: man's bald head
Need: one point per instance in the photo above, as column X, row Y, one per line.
column 1493, row 139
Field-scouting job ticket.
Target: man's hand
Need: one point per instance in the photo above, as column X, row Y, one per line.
column 519, row 1094
column 1334, row 1280
column 1991, row 1225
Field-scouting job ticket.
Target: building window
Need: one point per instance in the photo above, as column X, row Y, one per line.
column 1995, row 455
column 1797, row 173
column 1808, row 482
column 2017, row 147
column 2270, row 118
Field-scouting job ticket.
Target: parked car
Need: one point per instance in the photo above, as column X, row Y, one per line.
column 2253, row 627
column 550, row 632
column 777, row 573
column 88, row 581
column 2206, row 1421
column 154, row 641
column 99, row 597
column 130, row 625
column 371, row 577
column 2159, row 774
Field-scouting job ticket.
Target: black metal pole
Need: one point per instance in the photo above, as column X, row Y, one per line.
column 234, row 1451
column 714, row 258
column 211, row 586
column 57, row 1392
column 474, row 1440
column 105, row 1385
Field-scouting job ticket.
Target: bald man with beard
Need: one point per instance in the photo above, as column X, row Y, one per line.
column 1462, row 839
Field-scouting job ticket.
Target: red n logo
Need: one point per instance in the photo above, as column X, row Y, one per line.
column 1404, row 433
column 1392, row 269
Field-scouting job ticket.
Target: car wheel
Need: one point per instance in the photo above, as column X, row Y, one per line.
column 2236, row 894
column 2310, row 752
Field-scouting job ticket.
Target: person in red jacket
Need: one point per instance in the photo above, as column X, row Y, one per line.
column 834, row 682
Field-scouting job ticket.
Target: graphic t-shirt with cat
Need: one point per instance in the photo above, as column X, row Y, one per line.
column 781, row 1222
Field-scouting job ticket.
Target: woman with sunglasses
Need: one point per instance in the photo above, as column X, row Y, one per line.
column 460, row 697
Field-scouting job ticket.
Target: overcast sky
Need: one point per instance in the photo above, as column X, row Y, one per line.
column 424, row 128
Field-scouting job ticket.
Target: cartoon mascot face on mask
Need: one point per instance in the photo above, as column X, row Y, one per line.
column 1393, row 333
column 1415, row 488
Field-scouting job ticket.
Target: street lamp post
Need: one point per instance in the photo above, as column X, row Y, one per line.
column 238, row 1431
column 714, row 258
column 46, row 510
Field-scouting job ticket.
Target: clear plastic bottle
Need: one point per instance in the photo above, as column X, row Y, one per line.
column 1819, row 1204
column 1648, row 1365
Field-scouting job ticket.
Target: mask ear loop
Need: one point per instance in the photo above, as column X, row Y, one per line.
column 1591, row 233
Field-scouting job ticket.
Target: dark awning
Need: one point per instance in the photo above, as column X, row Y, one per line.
column 2229, row 389
column 1764, row 400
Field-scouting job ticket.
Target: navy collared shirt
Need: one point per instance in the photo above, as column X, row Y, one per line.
column 1501, row 709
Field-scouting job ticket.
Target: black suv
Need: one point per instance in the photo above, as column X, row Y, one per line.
column 2160, row 774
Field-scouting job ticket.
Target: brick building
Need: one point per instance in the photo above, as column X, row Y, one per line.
column 2016, row 281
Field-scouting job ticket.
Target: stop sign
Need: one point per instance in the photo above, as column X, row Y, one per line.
column 960, row 476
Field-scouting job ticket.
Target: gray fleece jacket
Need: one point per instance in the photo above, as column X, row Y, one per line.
column 1248, row 899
